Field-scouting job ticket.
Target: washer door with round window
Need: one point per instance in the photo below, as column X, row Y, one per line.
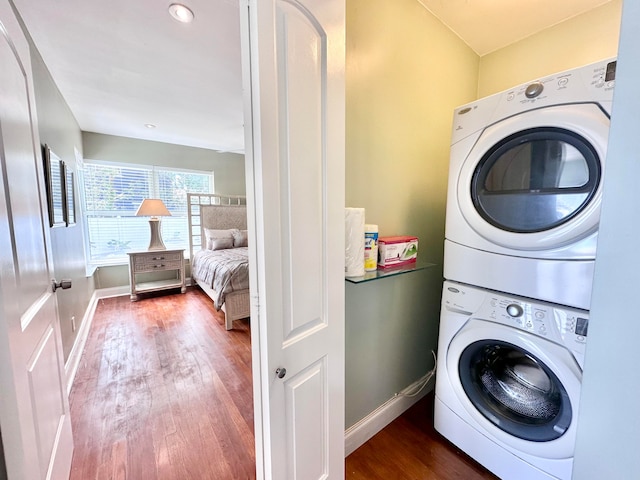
column 521, row 390
column 533, row 180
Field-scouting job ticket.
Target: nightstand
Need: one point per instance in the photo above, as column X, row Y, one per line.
column 142, row 264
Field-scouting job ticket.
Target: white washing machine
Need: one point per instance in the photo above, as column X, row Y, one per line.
column 508, row 381
column 525, row 185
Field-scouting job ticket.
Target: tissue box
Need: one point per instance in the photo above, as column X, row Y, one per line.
column 398, row 250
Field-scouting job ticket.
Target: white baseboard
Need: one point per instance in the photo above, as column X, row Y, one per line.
column 359, row 433
column 73, row 362
column 112, row 292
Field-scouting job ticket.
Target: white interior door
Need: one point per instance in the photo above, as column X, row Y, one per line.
column 34, row 411
column 293, row 59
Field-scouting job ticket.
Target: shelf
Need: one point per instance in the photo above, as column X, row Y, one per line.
column 391, row 272
column 158, row 285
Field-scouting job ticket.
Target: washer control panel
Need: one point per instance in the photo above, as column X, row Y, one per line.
column 559, row 324
column 519, row 313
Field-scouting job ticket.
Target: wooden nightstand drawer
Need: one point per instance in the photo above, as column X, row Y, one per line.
column 151, row 265
column 155, row 257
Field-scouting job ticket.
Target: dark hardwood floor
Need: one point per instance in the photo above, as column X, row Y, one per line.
column 409, row 448
column 164, row 392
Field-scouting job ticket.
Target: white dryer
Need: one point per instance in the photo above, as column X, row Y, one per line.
column 525, row 185
column 509, row 379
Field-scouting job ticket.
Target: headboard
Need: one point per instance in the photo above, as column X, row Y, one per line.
column 209, row 210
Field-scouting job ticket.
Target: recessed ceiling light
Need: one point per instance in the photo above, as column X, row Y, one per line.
column 181, row 13
column 149, row 125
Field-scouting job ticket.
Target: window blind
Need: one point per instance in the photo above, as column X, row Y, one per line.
column 112, row 194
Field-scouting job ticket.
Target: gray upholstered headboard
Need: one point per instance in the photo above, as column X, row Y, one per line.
column 219, row 212
column 222, row 217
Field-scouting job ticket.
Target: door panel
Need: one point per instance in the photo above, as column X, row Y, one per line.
column 309, row 431
column 29, row 254
column 47, row 404
column 300, row 58
column 34, row 410
column 294, row 70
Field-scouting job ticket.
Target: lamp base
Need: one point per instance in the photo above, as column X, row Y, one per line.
column 156, row 242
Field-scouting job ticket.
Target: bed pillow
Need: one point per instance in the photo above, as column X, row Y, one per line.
column 240, row 238
column 218, row 239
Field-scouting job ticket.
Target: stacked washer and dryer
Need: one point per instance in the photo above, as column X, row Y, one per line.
column 523, row 206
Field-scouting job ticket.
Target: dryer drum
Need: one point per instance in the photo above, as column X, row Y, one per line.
column 515, row 390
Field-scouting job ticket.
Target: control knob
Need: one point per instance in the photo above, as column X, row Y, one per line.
column 533, row 90
column 514, row 310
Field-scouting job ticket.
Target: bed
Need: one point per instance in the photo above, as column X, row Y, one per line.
column 219, row 268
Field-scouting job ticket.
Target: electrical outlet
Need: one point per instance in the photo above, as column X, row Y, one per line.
column 73, row 323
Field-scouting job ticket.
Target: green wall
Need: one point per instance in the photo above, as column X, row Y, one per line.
column 228, row 167
column 405, row 73
column 58, row 128
column 581, row 40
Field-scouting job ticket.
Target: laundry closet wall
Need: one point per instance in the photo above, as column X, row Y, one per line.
column 581, row 40
column 405, row 73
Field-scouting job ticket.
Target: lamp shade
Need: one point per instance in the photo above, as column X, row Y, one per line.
column 152, row 207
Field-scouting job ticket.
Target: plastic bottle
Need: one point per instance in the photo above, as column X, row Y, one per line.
column 370, row 247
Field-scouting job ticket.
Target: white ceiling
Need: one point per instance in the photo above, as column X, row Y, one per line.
column 488, row 25
column 121, row 64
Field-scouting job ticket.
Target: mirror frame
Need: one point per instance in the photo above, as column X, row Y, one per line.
column 54, row 182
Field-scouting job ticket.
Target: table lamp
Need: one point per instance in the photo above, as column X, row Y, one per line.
column 154, row 208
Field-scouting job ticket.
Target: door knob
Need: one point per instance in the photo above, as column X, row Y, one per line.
column 64, row 284
column 281, row 372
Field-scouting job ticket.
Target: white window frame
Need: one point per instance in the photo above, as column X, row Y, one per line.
column 92, row 263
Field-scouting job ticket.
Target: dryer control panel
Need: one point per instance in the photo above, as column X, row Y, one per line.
column 556, row 323
column 592, row 83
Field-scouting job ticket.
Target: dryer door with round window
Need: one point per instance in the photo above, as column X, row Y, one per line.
column 533, row 181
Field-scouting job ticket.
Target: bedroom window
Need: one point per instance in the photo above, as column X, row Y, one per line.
column 112, row 194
